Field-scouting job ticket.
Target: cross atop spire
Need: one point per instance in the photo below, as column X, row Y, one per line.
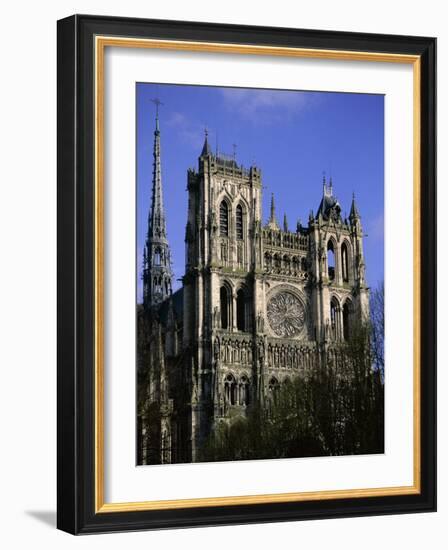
column 157, row 103
column 206, row 150
column 157, row 224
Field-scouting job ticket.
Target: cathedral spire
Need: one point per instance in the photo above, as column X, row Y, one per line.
column 285, row 223
column 206, row 150
column 157, row 213
column 157, row 274
column 272, row 224
column 354, row 213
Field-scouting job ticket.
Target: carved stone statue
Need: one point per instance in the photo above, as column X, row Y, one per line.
column 216, row 350
column 260, row 322
column 213, row 224
column 261, row 351
column 216, row 317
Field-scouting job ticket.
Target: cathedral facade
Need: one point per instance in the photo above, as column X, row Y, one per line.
column 260, row 304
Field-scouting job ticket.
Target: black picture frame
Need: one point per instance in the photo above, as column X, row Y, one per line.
column 76, row 286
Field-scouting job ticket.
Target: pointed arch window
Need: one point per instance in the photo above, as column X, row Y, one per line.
column 157, row 256
column 241, row 310
column 224, row 296
column 244, row 391
column 331, row 260
column 344, row 258
column 157, row 284
column 224, row 219
column 346, row 319
column 267, row 261
column 334, row 318
column 239, row 222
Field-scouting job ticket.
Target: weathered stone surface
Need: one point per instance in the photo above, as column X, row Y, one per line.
column 260, row 305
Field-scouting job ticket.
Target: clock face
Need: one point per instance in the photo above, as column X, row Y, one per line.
column 286, row 314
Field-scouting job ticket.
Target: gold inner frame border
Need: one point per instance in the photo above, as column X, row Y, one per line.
column 100, row 44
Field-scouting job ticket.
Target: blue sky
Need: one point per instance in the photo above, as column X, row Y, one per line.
column 293, row 136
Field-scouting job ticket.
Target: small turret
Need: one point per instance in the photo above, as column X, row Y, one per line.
column 206, row 149
column 272, row 224
column 329, row 207
column 354, row 213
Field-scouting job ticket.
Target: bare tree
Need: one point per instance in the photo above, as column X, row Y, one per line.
column 377, row 327
column 338, row 409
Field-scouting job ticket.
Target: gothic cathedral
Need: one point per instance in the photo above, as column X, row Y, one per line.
column 260, row 304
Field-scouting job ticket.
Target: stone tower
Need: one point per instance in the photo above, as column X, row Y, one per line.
column 157, row 273
column 340, row 296
column 222, row 257
column 262, row 304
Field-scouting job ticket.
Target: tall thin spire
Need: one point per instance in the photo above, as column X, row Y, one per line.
column 157, row 274
column 272, row 224
column 157, row 214
column 206, row 150
column 354, row 212
column 157, row 103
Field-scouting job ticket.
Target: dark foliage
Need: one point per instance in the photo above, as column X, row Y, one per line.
column 336, row 410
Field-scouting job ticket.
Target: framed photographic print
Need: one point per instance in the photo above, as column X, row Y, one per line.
column 246, row 274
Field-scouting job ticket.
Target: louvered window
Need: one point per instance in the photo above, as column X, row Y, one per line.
column 224, row 219
column 239, row 222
